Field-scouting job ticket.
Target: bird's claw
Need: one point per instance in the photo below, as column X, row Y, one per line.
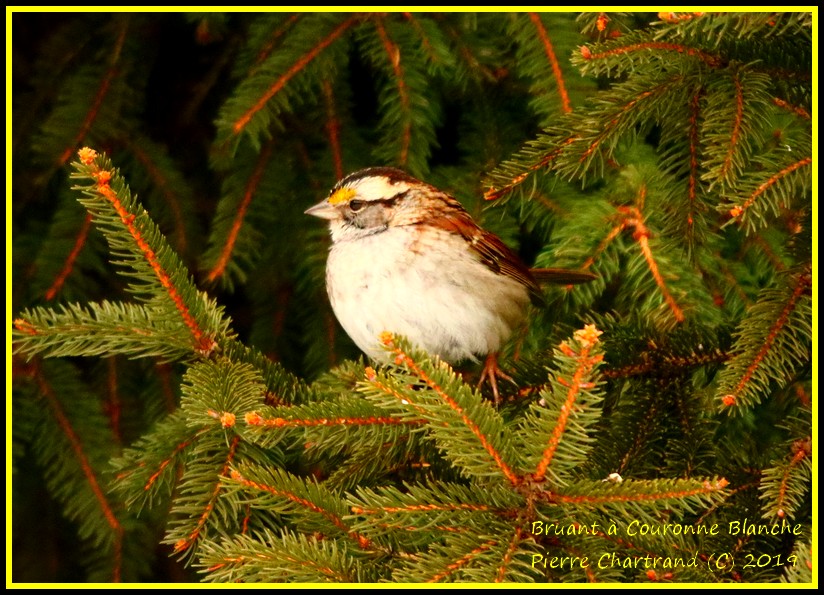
column 492, row 372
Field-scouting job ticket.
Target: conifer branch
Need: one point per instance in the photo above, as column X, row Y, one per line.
column 76, row 445
column 272, row 42
column 799, row 456
column 402, row 358
column 635, row 219
column 162, row 183
column 619, row 49
column 641, row 235
column 785, row 484
column 693, row 168
column 362, row 541
column 184, row 544
column 738, row 397
column 102, row 329
column 265, row 558
column 171, row 458
column 726, row 166
column 493, row 193
column 372, row 377
column 511, row 548
column 797, row 110
column 57, row 285
column 333, row 128
column 413, row 508
column 219, row 268
column 461, row 562
column 99, row 97
column 393, row 53
column 674, row 492
column 566, row 107
column 255, row 419
column 240, row 124
column 654, row 363
column 96, row 169
column 737, row 212
column 586, row 340
column 427, row 44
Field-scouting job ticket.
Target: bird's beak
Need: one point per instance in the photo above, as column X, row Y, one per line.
column 323, row 209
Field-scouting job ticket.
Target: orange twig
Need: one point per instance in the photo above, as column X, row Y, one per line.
column 267, row 49
column 394, row 54
column 251, row 187
column 244, row 120
column 736, row 128
column 550, row 54
column 102, row 91
column 612, row 123
column 203, row 343
column 162, row 184
column 709, row 59
column 510, row 551
column 422, row 508
column 254, row 419
column 170, row 459
column 76, row 446
column 643, row 241
column 800, row 455
column 635, row 219
column 184, row 544
column 495, row 193
column 363, row 542
column 800, row 289
column 694, row 141
column 739, row 210
column 388, row 340
column 333, row 128
column 57, row 285
column 706, row 488
column 799, row 111
column 461, row 562
column 586, row 363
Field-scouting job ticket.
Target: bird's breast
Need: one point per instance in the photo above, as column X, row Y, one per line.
column 427, row 287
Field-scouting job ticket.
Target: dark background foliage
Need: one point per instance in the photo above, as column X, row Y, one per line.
column 623, row 142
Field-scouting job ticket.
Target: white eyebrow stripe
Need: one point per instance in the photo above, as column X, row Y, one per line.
column 378, row 188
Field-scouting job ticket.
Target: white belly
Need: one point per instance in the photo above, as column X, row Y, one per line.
column 450, row 305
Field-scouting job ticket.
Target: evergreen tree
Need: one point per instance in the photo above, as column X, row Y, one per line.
column 186, row 408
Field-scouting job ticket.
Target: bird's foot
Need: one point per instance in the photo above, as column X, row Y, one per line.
column 492, row 372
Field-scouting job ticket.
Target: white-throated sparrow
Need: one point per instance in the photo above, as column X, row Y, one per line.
column 407, row 258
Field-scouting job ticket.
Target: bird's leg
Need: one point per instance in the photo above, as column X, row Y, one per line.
column 492, row 372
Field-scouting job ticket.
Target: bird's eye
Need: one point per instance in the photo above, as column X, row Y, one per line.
column 356, row 205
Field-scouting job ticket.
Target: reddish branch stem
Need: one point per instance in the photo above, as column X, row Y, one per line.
column 362, row 541
column 800, row 289
column 299, row 65
column 473, row 427
column 68, row 266
column 86, row 468
column 184, row 544
column 394, row 54
column 251, row 187
column 553, row 60
column 102, row 91
column 204, row 344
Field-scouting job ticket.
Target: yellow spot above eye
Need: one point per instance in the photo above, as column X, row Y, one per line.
column 341, row 196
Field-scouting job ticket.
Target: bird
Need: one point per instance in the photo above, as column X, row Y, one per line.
column 407, row 258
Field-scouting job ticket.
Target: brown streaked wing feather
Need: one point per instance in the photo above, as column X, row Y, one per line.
column 490, row 249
